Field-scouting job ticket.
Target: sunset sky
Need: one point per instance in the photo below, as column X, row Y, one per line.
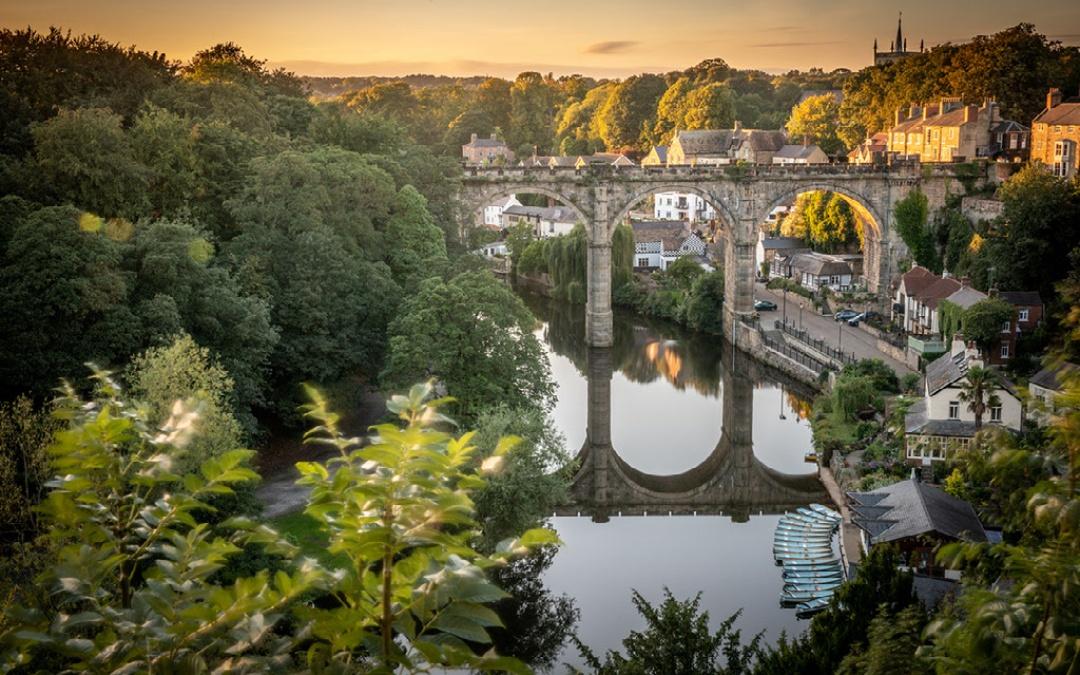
column 607, row 38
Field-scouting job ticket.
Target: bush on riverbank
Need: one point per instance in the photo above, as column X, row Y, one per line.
column 684, row 293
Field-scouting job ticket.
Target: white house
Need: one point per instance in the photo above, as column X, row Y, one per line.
column 546, row 221
column 658, row 244
column 682, row 206
column 493, row 212
column 495, row 249
column 800, row 154
column 1047, row 385
column 941, row 420
column 816, row 270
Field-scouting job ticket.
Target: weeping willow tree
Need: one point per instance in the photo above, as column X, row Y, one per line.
column 567, row 259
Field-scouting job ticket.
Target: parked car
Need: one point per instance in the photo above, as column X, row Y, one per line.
column 765, row 305
column 854, row 321
column 845, row 314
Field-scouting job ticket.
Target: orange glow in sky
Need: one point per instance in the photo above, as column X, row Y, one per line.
column 607, row 38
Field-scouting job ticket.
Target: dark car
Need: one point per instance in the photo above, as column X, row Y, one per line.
column 765, row 305
column 845, row 314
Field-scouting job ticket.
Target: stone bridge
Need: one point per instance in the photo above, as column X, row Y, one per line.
column 730, row 481
column 742, row 195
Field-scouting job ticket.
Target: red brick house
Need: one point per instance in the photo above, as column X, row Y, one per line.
column 1027, row 315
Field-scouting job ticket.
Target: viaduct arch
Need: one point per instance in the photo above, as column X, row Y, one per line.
column 730, row 481
column 743, row 195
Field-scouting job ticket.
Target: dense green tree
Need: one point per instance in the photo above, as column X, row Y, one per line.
column 705, row 304
column 891, row 644
column 476, row 337
column 334, row 124
column 164, row 143
column 85, row 158
column 1028, row 248
column 65, row 299
column 824, row 220
column 629, row 114
column 41, row 73
column 983, row 321
column 671, row 110
column 26, row 430
column 678, row 640
column 417, row 250
column 816, row 120
column 532, row 108
column 710, row 107
column 297, row 191
column 535, row 480
column 178, row 286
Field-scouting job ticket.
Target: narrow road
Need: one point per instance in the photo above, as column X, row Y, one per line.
column 836, row 333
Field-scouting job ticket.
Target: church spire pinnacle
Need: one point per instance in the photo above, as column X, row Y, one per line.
column 900, row 47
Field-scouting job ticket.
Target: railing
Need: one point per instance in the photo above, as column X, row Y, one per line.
column 926, row 346
column 795, row 355
column 817, row 344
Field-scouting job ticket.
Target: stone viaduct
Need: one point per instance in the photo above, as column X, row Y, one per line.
column 730, row 481
column 743, row 196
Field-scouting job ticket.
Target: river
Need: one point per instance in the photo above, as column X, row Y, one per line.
column 694, row 432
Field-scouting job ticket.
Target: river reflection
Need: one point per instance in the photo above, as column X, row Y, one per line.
column 668, row 422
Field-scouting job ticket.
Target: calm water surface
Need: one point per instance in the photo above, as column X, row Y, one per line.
column 667, row 399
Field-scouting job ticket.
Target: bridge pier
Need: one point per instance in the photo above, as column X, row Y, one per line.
column 599, row 322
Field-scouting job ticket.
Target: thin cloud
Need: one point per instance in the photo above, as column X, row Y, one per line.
column 795, row 44
column 611, row 47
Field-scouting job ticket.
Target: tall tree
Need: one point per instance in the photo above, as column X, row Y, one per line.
column 417, row 249
column 628, row 116
column 816, row 120
column 710, row 107
column 476, row 337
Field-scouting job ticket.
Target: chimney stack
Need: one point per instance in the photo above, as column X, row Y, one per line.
column 738, row 125
column 494, row 137
column 472, row 138
column 899, row 116
column 1053, row 98
column 958, row 346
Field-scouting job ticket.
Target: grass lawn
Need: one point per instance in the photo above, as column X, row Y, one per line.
column 303, row 531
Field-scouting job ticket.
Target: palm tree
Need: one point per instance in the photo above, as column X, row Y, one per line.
column 978, row 392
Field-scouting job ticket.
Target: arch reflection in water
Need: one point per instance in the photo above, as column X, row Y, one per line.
column 730, row 481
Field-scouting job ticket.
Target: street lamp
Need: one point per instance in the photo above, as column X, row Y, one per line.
column 839, row 336
column 800, row 315
column 785, row 304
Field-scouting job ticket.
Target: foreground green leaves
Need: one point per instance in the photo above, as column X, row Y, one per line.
column 399, row 509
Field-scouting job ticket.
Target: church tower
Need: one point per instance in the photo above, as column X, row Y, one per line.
column 897, row 48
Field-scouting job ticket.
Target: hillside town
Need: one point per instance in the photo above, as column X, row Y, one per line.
column 369, row 362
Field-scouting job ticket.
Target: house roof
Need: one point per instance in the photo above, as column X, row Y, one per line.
column 937, row 291
column 797, row 151
column 1053, row 377
column 1022, row 298
column 760, row 140
column 945, row 370
column 703, row 141
column 966, row 296
column 950, row 368
column 506, row 202
column 670, row 233
column 557, row 214
column 563, row 160
column 778, row 243
column 1063, row 113
column 913, row 508
column 819, row 265
column 917, row 421
column 486, row 143
column 917, row 278
column 536, row 160
column 660, row 152
column 1004, row 126
column 606, row 158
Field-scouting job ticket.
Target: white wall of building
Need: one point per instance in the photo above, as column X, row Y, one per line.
column 682, row 206
column 938, row 407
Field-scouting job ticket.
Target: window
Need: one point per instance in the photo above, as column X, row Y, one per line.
column 1006, row 326
column 642, row 262
column 954, row 410
column 1023, row 316
column 1004, row 350
column 995, row 413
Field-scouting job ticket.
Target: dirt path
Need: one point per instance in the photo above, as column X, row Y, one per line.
column 276, row 463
